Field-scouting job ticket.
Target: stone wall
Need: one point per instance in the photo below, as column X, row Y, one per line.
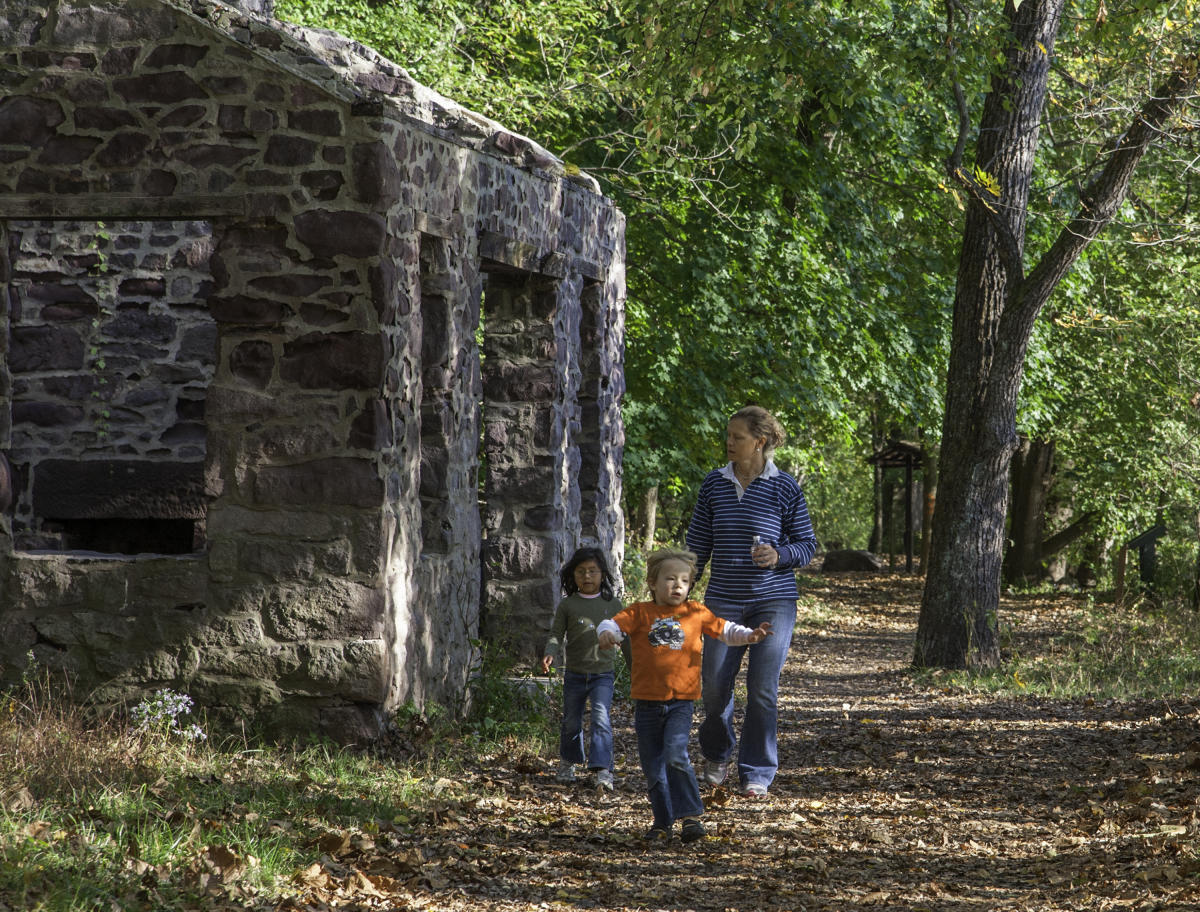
column 267, row 252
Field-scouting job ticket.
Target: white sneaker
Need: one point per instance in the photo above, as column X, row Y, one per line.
column 604, row 780
column 714, row 771
column 566, row 772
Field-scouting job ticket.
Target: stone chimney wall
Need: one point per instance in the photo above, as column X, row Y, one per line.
column 244, row 280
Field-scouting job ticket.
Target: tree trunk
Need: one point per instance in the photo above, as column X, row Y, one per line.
column 958, row 624
column 649, row 517
column 1071, row 533
column 1119, row 564
column 1032, row 475
column 1196, row 572
column 995, row 307
column 889, row 522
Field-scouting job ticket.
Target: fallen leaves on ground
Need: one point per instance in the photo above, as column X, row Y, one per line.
column 891, row 795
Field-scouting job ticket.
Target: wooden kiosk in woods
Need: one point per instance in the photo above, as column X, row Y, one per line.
column 897, row 454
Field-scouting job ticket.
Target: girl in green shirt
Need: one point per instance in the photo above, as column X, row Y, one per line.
column 588, row 676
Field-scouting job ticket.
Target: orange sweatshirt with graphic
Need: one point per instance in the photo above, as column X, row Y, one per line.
column 666, row 646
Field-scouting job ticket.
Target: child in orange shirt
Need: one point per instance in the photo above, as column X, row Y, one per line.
column 665, row 635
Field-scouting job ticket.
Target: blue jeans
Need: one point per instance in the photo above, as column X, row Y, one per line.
column 579, row 689
column 663, row 728
column 758, row 754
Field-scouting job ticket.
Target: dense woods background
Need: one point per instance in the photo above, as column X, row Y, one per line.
column 840, row 209
column 800, row 179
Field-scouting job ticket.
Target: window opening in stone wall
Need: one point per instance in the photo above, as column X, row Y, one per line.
column 111, row 352
column 517, row 502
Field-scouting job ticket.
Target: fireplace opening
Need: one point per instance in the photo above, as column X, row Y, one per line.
column 111, row 350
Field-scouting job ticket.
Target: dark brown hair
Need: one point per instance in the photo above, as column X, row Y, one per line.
column 586, row 553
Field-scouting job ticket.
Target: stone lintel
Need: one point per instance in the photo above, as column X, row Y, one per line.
column 554, row 265
column 433, row 225
column 508, row 252
column 588, row 269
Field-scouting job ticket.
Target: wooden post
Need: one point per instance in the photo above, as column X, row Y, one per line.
column 1119, row 575
column 908, row 514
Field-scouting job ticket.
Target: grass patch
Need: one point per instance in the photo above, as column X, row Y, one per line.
column 109, row 813
column 1096, row 650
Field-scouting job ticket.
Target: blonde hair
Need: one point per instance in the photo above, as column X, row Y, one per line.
column 761, row 423
column 656, row 559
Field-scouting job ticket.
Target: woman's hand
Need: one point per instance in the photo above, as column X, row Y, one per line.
column 547, row 661
column 764, row 556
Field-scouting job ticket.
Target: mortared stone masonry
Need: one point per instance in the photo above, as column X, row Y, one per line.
column 309, row 377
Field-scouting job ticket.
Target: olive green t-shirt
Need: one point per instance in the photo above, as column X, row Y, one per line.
column 575, row 621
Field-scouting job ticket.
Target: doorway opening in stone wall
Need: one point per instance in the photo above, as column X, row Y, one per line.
column 111, row 352
column 438, row 356
column 593, row 386
column 521, row 398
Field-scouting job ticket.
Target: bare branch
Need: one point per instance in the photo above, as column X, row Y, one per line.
column 960, row 99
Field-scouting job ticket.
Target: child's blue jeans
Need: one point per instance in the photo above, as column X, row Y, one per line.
column 663, row 728
column 578, row 690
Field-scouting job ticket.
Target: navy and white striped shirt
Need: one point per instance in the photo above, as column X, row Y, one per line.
column 725, row 521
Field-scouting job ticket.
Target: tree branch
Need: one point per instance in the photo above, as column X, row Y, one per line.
column 1074, row 531
column 954, row 163
column 1109, row 188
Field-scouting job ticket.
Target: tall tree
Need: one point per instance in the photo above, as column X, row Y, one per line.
column 996, row 305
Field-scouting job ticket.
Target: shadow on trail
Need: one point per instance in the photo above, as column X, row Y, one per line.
column 891, row 795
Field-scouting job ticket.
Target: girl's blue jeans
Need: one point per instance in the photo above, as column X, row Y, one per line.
column 758, row 754
column 663, row 728
column 579, row 689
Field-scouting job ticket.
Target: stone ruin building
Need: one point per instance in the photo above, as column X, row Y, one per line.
column 309, row 377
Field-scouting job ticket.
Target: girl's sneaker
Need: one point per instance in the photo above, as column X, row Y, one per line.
column 714, row 772
column 692, row 830
column 604, row 779
column 566, row 772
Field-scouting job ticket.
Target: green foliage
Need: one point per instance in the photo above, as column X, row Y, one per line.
column 838, row 484
column 633, row 576
column 509, row 705
column 798, row 253
column 793, row 238
column 541, row 67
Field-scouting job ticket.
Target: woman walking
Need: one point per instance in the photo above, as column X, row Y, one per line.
column 751, row 526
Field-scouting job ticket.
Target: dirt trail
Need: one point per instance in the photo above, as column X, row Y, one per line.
column 890, row 796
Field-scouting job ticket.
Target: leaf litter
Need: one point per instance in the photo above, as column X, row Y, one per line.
column 893, row 793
